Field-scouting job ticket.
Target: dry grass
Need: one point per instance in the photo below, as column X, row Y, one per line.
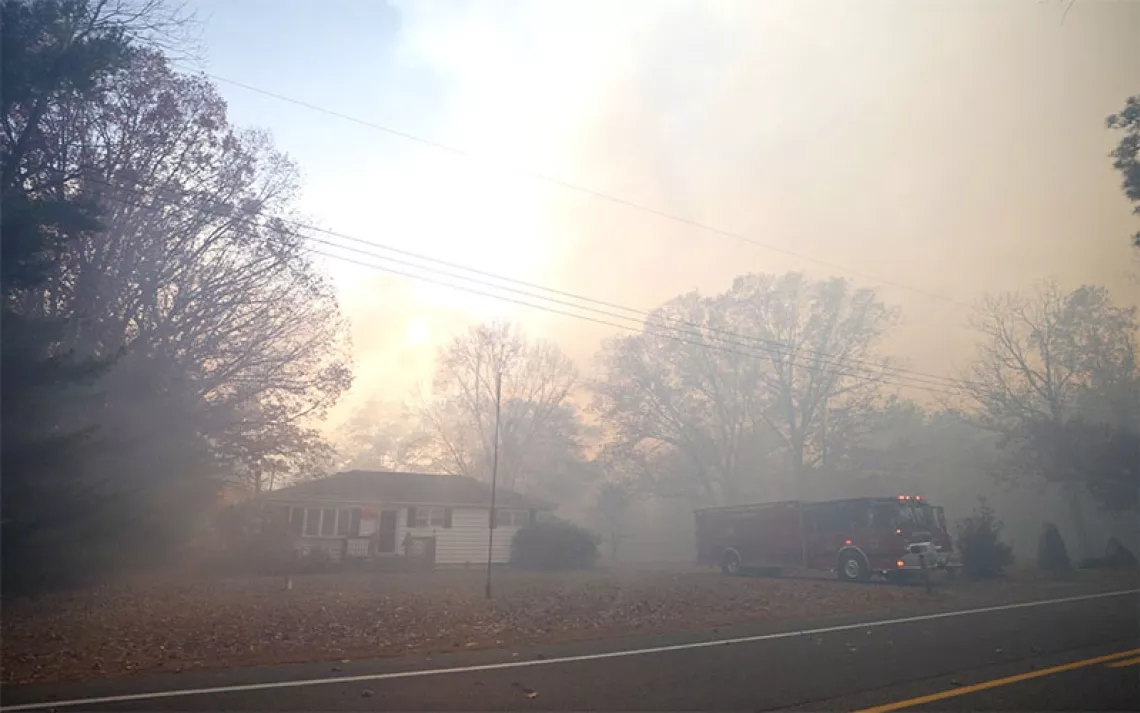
column 175, row 623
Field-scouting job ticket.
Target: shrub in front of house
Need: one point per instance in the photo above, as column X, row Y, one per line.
column 984, row 553
column 254, row 540
column 554, row 545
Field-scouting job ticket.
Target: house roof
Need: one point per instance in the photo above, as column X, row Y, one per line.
column 405, row 488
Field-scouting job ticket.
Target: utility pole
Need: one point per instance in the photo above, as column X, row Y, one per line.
column 494, row 480
column 823, row 438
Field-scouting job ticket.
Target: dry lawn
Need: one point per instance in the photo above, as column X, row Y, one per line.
column 175, row 623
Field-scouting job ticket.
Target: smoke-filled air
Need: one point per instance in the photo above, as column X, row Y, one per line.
column 343, row 330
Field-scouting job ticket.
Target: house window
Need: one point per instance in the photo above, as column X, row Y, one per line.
column 312, row 522
column 428, row 517
column 328, row 523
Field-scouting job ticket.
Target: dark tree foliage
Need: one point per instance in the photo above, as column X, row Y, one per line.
column 50, row 52
column 1105, row 457
column 1126, row 155
column 1056, row 380
column 163, row 328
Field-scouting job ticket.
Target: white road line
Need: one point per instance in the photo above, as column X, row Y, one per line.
column 552, row 661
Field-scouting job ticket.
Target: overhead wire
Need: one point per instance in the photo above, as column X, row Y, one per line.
column 954, row 389
column 627, row 327
column 578, row 188
column 769, row 346
column 649, row 321
column 912, row 382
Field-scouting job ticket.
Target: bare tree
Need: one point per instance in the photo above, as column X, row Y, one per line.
column 663, row 387
column 822, row 365
column 385, row 436
column 1048, row 361
column 540, row 430
column 738, row 381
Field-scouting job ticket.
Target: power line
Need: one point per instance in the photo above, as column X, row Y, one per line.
column 636, row 330
column 911, row 381
column 650, row 319
column 568, row 185
column 769, row 344
column 782, row 349
column 639, row 312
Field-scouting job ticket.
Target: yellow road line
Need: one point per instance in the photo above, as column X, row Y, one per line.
column 963, row 690
column 1126, row 662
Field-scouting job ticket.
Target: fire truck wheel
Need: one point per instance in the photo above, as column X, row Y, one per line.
column 853, row 567
column 730, row 563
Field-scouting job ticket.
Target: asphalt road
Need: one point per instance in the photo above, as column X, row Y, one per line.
column 1066, row 655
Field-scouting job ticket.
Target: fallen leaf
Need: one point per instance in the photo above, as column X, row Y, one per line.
column 187, row 621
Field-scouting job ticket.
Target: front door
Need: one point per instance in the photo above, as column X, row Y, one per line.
column 386, row 535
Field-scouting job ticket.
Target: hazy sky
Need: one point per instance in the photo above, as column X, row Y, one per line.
column 950, row 147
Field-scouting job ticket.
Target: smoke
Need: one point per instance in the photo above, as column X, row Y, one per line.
column 935, row 151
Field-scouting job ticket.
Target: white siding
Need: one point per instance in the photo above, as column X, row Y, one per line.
column 465, row 542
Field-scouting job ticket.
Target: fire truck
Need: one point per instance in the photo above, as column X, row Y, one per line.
column 894, row 537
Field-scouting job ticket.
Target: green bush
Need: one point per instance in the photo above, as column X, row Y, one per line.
column 984, row 553
column 554, row 545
